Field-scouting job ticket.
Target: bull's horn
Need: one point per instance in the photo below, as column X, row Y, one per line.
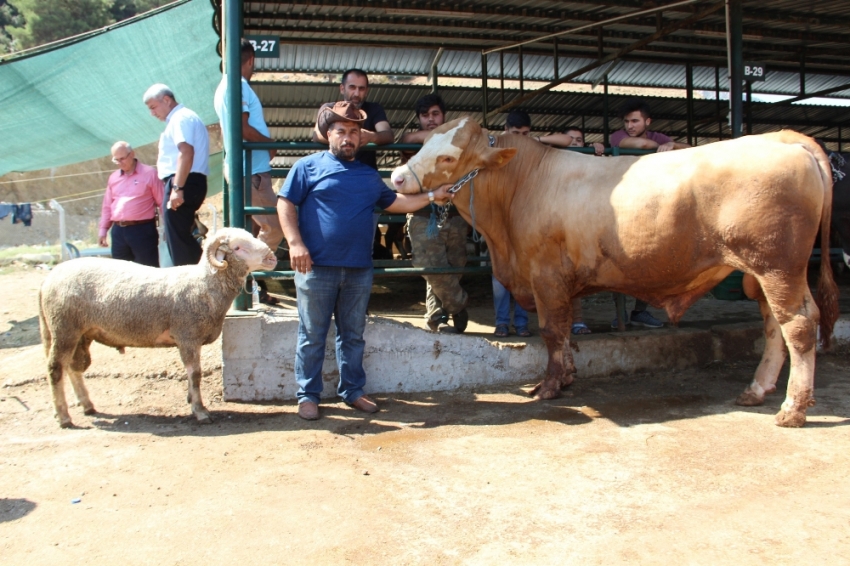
column 220, row 240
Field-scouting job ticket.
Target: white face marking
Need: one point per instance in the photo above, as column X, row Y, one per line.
column 439, row 144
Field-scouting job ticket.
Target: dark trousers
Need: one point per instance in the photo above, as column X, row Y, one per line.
column 139, row 243
column 182, row 245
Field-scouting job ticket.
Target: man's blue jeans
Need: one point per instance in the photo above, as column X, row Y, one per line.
column 341, row 292
column 502, row 304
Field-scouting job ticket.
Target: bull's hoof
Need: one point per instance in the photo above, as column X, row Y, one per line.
column 794, row 419
column 543, row 391
column 66, row 424
column 566, row 381
column 749, row 398
column 90, row 410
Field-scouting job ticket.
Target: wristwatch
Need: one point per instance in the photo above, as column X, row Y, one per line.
column 431, row 196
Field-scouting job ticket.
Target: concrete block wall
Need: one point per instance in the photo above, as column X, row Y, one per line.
column 258, row 355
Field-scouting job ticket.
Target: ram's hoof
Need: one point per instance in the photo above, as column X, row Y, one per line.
column 204, row 417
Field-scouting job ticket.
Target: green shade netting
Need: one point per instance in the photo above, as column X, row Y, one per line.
column 71, row 103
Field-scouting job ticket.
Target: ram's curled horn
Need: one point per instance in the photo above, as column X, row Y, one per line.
column 219, row 242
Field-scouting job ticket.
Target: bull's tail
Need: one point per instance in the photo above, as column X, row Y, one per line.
column 827, row 291
column 826, row 298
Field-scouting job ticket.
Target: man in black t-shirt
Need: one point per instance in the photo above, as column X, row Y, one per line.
column 376, row 129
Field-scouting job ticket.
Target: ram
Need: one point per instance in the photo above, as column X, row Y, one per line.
column 124, row 304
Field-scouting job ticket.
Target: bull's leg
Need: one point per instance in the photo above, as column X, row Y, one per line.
column 79, row 364
column 772, row 359
column 555, row 315
column 794, row 308
column 192, row 360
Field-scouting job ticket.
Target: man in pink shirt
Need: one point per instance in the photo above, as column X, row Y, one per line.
column 133, row 193
column 635, row 135
column 636, row 119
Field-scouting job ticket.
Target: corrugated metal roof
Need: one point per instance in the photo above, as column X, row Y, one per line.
column 777, row 32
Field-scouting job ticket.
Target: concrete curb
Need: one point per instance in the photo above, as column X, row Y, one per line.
column 258, row 355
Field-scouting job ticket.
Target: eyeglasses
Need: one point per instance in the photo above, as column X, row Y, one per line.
column 118, row 160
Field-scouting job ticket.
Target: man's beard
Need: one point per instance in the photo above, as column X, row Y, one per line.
column 345, row 152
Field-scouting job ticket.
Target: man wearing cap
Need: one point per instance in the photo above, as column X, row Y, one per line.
column 183, row 164
column 133, row 193
column 330, row 248
column 375, row 128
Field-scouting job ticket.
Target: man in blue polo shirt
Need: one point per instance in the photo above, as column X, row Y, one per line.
column 254, row 129
column 330, row 247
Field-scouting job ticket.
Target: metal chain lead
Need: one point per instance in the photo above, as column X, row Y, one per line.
column 443, row 211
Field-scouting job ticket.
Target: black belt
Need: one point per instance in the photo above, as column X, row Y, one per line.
column 125, row 223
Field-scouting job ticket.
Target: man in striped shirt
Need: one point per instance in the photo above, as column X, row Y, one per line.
column 133, row 193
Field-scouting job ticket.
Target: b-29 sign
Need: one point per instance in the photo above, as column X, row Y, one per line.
column 754, row 71
column 265, row 46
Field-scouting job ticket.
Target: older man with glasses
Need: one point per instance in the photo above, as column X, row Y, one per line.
column 133, row 194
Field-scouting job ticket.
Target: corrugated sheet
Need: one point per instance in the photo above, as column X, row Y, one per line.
column 465, row 64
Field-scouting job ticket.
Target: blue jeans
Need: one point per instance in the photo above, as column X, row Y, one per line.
column 341, row 292
column 502, row 304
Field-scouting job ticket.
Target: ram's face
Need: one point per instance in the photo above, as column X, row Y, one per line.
column 240, row 244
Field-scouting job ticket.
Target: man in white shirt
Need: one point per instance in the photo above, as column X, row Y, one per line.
column 183, row 165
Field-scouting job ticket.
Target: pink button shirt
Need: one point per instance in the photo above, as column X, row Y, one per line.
column 131, row 196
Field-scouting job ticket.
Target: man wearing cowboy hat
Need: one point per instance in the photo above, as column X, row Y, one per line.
column 330, row 248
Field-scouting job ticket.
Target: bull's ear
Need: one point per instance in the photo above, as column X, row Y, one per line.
column 495, row 158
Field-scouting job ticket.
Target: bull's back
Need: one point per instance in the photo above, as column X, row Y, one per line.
column 676, row 214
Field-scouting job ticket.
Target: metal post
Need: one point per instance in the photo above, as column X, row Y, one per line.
column 502, row 75
column 484, row 87
column 557, row 71
column 749, row 108
column 63, row 236
column 803, row 71
column 605, row 111
column 839, row 139
column 734, row 32
column 717, row 102
column 434, row 71
column 232, row 67
column 521, row 73
column 689, row 86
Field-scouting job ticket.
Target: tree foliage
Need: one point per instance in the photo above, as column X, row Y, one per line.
column 29, row 23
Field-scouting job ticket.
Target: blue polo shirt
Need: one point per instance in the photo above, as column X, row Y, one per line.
column 335, row 200
column 251, row 104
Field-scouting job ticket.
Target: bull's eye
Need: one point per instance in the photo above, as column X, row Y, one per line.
column 446, row 159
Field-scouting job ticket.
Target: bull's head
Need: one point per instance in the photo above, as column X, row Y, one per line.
column 240, row 245
column 449, row 152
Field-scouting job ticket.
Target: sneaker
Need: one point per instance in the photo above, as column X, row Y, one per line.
column 460, row 320
column 615, row 324
column 435, row 325
column 643, row 318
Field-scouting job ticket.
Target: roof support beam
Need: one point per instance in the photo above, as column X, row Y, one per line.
column 649, row 39
column 813, row 94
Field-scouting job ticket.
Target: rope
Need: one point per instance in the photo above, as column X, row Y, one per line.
column 54, row 177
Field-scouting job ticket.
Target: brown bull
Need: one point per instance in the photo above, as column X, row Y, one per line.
column 665, row 228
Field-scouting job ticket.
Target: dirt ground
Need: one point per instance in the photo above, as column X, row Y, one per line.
column 658, row 468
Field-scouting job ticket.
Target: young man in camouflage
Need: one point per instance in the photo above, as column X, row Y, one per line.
column 444, row 296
